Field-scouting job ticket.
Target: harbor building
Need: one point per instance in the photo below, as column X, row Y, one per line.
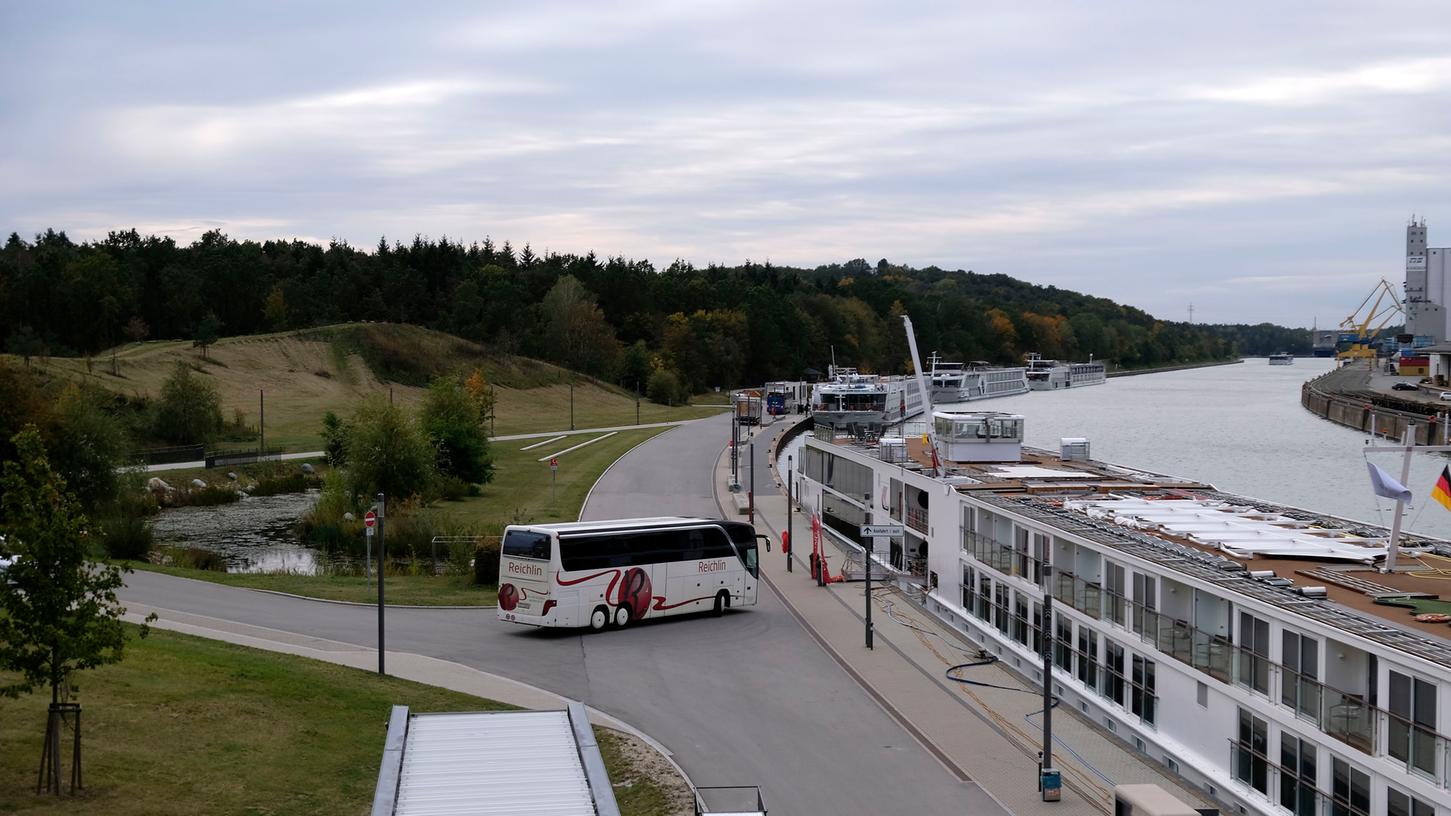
column 1252, row 649
column 1428, row 288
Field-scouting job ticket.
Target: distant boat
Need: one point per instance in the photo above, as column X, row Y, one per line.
column 851, row 399
column 1051, row 375
column 1282, row 358
column 954, row 382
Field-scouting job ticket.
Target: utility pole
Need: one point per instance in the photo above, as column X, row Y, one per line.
column 790, row 507
column 261, row 422
column 637, row 402
column 382, row 564
column 571, row 403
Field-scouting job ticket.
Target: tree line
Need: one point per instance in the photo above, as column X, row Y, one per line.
column 616, row 318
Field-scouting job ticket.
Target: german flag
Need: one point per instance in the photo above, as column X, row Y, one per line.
column 1442, row 491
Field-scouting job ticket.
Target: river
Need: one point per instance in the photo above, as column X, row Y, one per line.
column 1237, row 427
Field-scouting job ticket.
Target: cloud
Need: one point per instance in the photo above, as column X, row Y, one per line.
column 1408, row 76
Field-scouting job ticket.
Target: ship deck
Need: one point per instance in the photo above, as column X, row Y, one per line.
column 1039, row 483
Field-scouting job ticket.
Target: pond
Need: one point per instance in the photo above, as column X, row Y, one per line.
column 255, row 534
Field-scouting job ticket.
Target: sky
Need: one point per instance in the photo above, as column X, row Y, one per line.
column 1258, row 161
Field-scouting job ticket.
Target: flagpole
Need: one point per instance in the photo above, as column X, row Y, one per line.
column 1406, row 439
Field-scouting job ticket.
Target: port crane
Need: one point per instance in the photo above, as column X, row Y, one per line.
column 1360, row 328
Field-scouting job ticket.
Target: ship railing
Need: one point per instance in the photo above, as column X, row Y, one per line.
column 1252, row 768
column 917, row 519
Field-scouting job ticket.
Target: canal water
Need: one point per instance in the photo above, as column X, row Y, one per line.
column 1238, row 427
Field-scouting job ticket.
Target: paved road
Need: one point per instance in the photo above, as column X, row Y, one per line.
column 745, row 699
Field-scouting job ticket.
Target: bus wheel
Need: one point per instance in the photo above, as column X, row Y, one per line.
column 599, row 618
column 622, row 616
column 722, row 600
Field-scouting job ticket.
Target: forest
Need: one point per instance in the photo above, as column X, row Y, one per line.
column 615, row 318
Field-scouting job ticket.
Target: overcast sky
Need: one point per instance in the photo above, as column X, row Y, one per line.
column 1259, row 160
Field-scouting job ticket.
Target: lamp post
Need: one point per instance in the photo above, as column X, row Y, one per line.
column 382, row 562
column 867, row 559
column 1047, row 760
column 751, row 485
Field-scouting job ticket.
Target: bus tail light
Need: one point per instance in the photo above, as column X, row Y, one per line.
column 548, row 605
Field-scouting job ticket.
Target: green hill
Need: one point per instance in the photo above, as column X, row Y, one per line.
column 302, row 374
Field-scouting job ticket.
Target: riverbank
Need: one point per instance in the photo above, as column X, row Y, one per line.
column 187, row 725
column 1345, row 396
column 1133, row 372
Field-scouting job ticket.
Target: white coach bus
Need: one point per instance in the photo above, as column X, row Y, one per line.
column 597, row 573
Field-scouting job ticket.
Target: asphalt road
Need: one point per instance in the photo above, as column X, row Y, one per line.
column 747, row 699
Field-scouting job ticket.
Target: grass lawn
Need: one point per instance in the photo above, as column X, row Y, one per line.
column 520, row 490
column 186, row 725
column 416, row 590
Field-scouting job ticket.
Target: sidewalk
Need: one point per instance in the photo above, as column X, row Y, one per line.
column 990, row 736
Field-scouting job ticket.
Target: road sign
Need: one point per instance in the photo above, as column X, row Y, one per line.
column 883, row 530
column 554, row 463
column 369, row 519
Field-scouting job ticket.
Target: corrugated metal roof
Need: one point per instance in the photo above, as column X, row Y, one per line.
column 523, row 763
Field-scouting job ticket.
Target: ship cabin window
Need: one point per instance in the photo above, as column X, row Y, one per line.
column 1402, row 804
column 1299, row 688
column 1251, row 752
column 1349, row 789
column 1412, row 722
column 979, row 427
column 1254, row 653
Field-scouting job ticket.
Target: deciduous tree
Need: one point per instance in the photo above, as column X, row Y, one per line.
column 58, row 609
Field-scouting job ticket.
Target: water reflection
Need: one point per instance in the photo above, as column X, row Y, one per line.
column 254, row 535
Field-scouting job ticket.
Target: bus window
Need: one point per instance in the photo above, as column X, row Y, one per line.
column 717, row 544
column 752, row 566
column 527, row 544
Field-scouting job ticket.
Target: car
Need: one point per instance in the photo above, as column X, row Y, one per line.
column 1445, row 395
column 1404, row 386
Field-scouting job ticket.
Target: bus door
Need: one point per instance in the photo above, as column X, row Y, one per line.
column 525, row 571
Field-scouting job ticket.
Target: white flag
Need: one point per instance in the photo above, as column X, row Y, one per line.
column 1384, row 485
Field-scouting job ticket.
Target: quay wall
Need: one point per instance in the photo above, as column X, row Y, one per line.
column 1344, row 396
column 1133, row 372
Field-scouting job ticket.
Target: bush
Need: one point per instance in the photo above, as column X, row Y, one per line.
column 387, row 452
column 189, row 409
column 452, row 488
column 200, row 559
column 295, row 482
column 206, row 496
column 486, row 563
column 126, row 537
column 665, row 388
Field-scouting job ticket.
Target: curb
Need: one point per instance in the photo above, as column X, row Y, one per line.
column 353, row 603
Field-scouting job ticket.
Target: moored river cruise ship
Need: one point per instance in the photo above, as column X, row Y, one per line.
column 1252, row 649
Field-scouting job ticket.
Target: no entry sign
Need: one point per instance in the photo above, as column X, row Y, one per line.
column 370, row 519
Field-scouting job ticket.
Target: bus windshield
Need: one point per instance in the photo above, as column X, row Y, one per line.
column 744, row 537
column 527, row 544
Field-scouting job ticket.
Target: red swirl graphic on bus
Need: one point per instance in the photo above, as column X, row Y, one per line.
column 508, row 597
column 635, row 592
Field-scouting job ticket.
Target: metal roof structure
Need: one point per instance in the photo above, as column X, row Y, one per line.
column 519, row 763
